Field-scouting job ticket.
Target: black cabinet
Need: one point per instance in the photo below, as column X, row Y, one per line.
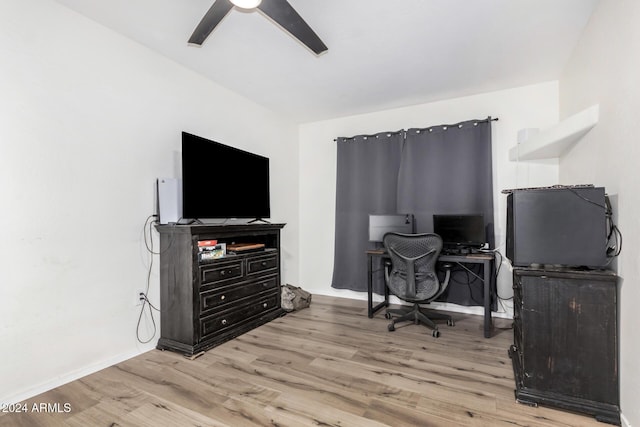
column 565, row 350
column 205, row 303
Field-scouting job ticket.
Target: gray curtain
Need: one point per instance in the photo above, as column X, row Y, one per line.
column 447, row 170
column 438, row 170
column 367, row 182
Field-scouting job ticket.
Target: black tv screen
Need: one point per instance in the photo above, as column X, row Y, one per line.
column 219, row 181
column 460, row 230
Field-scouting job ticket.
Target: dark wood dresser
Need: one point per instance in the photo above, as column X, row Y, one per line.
column 204, row 303
column 565, row 350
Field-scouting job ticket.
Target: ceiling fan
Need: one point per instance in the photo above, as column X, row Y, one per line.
column 278, row 10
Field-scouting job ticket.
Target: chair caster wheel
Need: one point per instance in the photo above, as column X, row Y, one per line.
column 391, row 327
column 451, row 323
column 435, row 333
column 387, row 315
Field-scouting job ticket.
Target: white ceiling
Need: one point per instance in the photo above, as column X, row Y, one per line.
column 382, row 53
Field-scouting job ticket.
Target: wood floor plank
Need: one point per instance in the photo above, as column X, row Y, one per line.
column 166, row 414
column 395, row 415
column 248, row 414
column 312, row 386
column 324, row 413
column 328, row 364
column 419, row 384
column 444, row 371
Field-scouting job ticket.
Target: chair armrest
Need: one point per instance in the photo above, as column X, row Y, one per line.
column 446, row 266
column 387, row 270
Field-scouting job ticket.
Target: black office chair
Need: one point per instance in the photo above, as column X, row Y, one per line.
column 411, row 276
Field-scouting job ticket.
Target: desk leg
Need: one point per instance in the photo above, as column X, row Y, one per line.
column 370, row 286
column 371, row 310
column 487, row 299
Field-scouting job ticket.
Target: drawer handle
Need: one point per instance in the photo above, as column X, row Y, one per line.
column 224, row 321
column 265, row 284
column 264, row 305
column 263, row 263
column 223, row 297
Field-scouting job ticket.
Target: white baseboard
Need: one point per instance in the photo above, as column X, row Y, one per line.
column 344, row 293
column 58, row 381
column 624, row 422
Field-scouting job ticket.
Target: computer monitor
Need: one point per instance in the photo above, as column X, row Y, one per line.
column 379, row 225
column 461, row 231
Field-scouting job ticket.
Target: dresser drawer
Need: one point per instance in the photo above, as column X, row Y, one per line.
column 262, row 263
column 220, row 322
column 222, row 271
column 230, row 294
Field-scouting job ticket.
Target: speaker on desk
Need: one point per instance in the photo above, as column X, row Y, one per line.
column 169, row 200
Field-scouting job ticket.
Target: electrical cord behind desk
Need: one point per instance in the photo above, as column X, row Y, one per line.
column 471, row 277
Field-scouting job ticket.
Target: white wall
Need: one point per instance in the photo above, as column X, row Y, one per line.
column 604, row 70
column 88, row 121
column 524, row 107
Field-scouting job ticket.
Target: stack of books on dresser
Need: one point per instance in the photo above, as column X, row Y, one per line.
column 211, row 249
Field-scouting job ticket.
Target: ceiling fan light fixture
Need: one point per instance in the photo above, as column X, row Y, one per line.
column 246, row 4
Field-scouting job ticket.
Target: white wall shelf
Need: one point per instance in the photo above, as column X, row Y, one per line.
column 558, row 139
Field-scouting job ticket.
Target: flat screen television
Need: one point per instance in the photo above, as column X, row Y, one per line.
column 461, row 231
column 219, row 181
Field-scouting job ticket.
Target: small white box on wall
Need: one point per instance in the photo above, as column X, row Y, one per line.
column 526, row 134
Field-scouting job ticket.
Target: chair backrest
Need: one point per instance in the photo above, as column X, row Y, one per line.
column 413, row 260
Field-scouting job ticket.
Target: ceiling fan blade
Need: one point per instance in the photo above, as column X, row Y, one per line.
column 214, row 15
column 286, row 16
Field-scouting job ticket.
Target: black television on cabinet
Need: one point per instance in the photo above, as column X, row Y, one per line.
column 557, row 226
column 219, row 181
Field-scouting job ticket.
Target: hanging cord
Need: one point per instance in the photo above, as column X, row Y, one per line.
column 499, row 299
column 150, row 221
column 614, row 236
column 471, row 278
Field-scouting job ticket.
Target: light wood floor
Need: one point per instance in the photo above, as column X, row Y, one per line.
column 327, row 365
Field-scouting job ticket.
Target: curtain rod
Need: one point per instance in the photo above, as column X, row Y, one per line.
column 487, row 120
column 375, row 135
column 459, row 124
